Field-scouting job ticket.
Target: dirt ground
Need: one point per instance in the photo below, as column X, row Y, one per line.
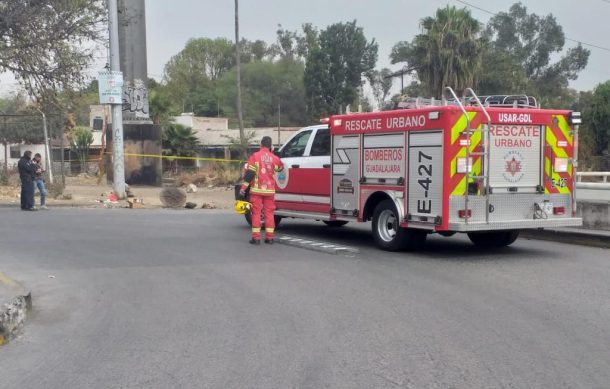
column 84, row 192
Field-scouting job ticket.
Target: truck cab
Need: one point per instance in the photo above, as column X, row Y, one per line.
column 304, row 185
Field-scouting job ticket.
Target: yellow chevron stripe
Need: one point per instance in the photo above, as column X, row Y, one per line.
column 460, row 188
column 559, row 152
column 460, row 126
column 551, row 140
column 564, row 127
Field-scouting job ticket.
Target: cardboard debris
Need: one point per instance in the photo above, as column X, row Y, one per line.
column 135, row 202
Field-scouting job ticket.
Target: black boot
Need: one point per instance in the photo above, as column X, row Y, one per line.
column 255, row 241
column 269, row 241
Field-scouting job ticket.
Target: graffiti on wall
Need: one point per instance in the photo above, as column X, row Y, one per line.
column 135, row 100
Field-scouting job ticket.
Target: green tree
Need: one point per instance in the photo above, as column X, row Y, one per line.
column 81, row 139
column 45, row 43
column 293, row 45
column 598, row 117
column 160, row 103
column 447, row 53
column 265, row 85
column 335, row 66
column 179, row 141
column 191, row 75
column 520, row 53
column 381, row 83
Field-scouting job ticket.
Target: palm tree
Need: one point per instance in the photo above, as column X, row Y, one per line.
column 179, row 141
column 447, row 53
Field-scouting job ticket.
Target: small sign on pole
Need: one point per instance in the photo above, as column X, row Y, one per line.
column 110, row 87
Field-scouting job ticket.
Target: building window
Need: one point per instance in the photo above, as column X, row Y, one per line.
column 15, row 152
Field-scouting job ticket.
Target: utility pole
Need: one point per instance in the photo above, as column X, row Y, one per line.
column 240, row 117
column 118, row 157
column 279, row 121
column 47, row 152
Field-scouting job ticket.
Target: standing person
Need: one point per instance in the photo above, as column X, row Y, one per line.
column 27, row 172
column 260, row 177
column 39, row 180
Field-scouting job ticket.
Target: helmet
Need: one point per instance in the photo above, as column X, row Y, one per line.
column 242, row 207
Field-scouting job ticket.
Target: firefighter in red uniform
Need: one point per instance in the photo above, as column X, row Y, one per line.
column 260, row 177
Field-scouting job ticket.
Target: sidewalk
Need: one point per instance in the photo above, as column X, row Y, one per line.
column 15, row 302
column 572, row 235
column 93, row 196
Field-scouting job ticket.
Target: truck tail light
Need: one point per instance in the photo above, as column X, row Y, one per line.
column 560, row 165
column 575, row 118
column 465, row 214
column 559, row 210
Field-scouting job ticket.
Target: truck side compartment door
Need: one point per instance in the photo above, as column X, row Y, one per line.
column 425, row 181
column 346, row 175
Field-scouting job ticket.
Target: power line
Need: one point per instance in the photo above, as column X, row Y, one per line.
column 567, row 38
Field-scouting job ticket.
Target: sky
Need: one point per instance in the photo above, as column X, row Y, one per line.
column 170, row 24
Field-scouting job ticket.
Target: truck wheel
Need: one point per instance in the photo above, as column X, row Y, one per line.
column 388, row 234
column 248, row 217
column 334, row 223
column 493, row 239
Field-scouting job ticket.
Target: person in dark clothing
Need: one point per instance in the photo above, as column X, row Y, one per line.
column 27, row 174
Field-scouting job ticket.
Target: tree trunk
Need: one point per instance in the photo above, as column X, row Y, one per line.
column 242, row 137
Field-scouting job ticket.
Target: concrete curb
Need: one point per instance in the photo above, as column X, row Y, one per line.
column 13, row 313
column 12, row 317
column 571, row 235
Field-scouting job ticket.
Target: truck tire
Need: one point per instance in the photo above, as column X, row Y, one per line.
column 493, row 239
column 388, row 234
column 248, row 217
column 335, row 223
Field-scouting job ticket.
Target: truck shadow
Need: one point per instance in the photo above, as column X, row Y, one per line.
column 455, row 248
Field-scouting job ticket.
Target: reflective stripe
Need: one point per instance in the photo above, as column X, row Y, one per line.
column 256, row 229
column 257, row 190
column 459, row 179
column 269, row 230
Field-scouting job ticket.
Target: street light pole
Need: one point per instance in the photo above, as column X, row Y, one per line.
column 47, row 152
column 118, row 157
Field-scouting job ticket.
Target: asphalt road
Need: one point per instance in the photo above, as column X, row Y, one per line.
column 179, row 299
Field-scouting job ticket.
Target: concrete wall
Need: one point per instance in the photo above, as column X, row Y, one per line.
column 22, row 148
column 595, row 214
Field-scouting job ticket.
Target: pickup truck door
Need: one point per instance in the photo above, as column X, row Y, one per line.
column 305, row 183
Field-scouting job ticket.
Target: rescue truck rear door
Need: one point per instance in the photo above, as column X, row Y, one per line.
column 515, row 154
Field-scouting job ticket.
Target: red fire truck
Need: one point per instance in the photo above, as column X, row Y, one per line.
column 488, row 167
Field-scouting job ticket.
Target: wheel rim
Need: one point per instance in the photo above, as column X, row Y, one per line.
column 387, row 226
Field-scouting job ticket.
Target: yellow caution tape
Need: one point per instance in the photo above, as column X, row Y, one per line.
column 172, row 157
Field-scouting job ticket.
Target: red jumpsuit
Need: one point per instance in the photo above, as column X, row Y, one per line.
column 264, row 164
